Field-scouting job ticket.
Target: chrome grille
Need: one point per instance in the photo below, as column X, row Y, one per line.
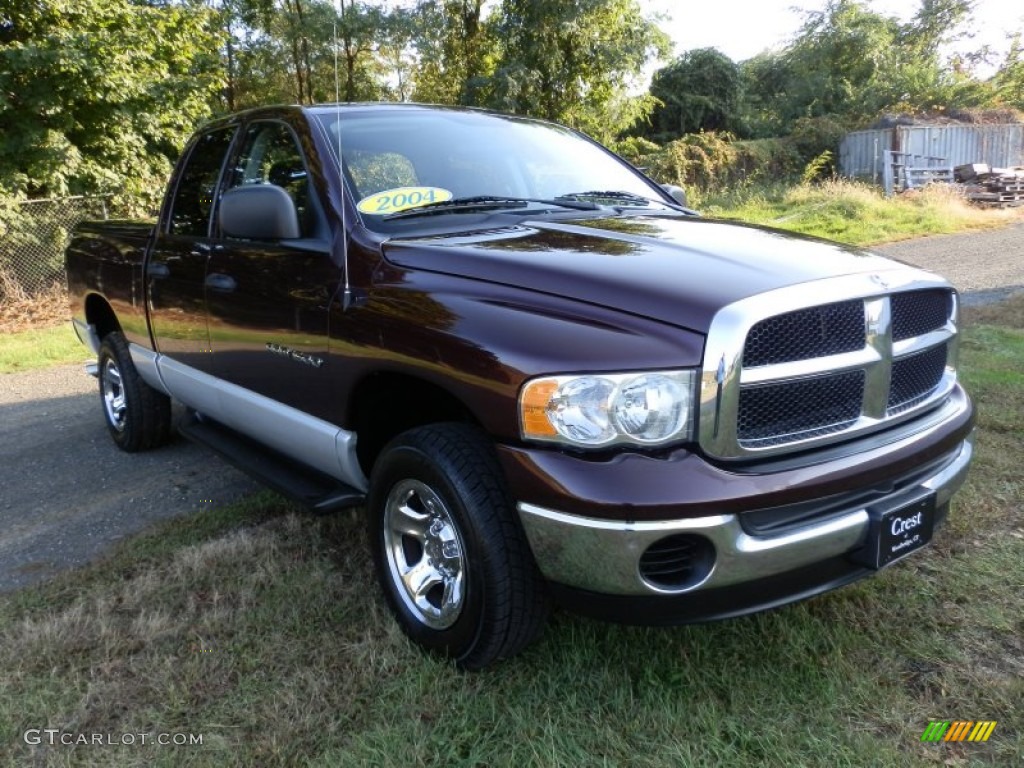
column 806, row 333
column 831, row 367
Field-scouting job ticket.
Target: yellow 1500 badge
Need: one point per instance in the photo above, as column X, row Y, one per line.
column 401, row 198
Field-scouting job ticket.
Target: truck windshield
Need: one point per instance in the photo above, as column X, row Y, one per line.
column 405, row 162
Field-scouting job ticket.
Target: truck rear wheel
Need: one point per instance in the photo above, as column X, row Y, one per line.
column 138, row 416
column 450, row 555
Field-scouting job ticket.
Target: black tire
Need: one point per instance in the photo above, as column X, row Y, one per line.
column 137, row 416
column 486, row 599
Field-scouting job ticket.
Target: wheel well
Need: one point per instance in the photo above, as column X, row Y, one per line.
column 386, row 404
column 99, row 314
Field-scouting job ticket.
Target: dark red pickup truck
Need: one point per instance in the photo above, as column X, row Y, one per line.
column 542, row 375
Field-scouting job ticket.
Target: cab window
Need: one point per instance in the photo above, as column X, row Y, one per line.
column 270, row 154
column 197, row 184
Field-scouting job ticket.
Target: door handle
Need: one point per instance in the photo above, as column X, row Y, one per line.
column 220, row 283
column 158, row 270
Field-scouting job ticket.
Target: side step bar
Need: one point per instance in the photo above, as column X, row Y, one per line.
column 321, row 493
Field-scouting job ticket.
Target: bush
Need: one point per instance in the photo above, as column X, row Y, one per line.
column 636, row 150
column 811, row 136
column 709, row 162
column 699, row 161
column 766, row 160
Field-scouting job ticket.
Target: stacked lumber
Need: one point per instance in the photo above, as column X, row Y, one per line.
column 1002, row 187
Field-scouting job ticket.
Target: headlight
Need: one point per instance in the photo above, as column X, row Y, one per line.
column 597, row 410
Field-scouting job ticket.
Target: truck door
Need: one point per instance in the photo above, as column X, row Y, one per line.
column 176, row 267
column 269, row 302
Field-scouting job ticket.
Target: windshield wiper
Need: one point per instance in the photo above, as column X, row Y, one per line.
column 486, row 203
column 617, row 195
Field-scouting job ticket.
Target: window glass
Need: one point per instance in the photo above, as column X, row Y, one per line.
column 270, row 155
column 197, row 185
column 374, row 172
column 468, row 154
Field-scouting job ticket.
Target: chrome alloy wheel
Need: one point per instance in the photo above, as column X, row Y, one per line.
column 113, row 396
column 425, row 554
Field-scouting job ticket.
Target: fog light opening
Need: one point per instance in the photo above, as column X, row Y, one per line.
column 677, row 563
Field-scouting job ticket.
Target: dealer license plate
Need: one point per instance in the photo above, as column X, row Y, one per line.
column 895, row 533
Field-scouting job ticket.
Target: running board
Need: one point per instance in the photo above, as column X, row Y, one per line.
column 321, row 493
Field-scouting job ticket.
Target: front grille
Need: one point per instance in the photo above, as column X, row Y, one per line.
column 771, row 414
column 916, row 313
column 806, row 333
column 915, row 377
column 818, row 374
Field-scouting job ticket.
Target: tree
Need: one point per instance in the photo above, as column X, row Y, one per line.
column 456, row 45
column 840, row 61
column 1009, row 80
column 574, row 61
column 766, row 80
column 848, row 64
column 103, row 93
column 702, row 90
column 921, row 80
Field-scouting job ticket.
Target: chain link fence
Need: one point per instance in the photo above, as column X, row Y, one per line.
column 33, row 235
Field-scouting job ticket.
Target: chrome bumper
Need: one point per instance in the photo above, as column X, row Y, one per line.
column 603, row 556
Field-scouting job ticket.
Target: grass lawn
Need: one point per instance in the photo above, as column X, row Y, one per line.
column 856, row 213
column 40, row 348
column 260, row 628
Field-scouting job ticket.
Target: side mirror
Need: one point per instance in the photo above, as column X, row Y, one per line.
column 259, row 212
column 676, row 193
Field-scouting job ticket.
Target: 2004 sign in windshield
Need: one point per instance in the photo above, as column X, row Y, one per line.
column 401, row 199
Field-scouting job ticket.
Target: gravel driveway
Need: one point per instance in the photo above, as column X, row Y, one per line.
column 984, row 266
column 67, row 493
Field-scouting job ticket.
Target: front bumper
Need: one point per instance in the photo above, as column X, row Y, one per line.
column 604, row 556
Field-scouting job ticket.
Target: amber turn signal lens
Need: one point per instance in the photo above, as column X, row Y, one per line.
column 534, row 408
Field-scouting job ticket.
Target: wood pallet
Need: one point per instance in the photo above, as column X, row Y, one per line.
column 1002, row 187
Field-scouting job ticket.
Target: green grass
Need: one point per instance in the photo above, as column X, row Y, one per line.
column 40, row 348
column 855, row 213
column 261, row 628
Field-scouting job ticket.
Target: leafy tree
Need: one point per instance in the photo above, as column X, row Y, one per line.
column 920, row 80
column 702, row 90
column 573, row 61
column 283, row 51
column 840, row 61
column 1009, row 80
column 456, row 44
column 98, row 95
column 848, row 64
column 766, row 84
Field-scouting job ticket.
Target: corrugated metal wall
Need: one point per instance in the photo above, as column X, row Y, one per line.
column 861, row 152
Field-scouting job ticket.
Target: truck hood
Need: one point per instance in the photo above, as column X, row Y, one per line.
column 676, row 270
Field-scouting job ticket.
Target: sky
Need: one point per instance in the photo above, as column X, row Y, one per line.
column 743, row 28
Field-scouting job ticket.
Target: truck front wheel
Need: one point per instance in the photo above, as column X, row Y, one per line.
column 138, row 416
column 450, row 555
